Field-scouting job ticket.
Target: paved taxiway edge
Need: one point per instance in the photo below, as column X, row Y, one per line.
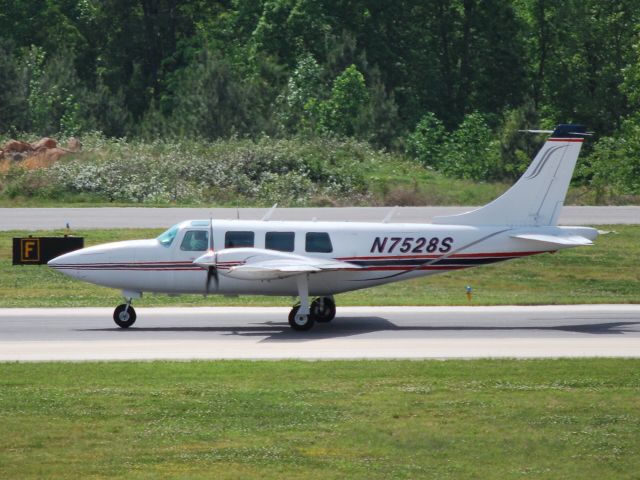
column 142, row 217
column 409, row 333
column 340, row 349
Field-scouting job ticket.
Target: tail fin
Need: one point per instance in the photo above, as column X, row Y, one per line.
column 537, row 197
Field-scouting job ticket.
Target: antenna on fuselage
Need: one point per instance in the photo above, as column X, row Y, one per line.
column 267, row 215
column 390, row 214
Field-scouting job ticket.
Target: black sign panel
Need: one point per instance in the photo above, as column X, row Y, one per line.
column 39, row 250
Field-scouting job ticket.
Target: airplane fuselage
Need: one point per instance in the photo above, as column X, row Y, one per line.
column 379, row 253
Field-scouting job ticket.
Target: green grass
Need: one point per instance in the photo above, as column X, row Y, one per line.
column 608, row 272
column 489, row 419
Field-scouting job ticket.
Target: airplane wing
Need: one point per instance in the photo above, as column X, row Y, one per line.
column 261, row 264
column 272, row 269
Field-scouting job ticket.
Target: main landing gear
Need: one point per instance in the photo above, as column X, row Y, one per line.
column 303, row 316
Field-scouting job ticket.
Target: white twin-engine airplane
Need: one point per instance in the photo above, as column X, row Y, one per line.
column 315, row 260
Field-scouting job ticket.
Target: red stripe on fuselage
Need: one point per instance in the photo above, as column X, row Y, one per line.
column 431, row 257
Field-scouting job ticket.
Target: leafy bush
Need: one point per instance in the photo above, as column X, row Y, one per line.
column 426, row 143
column 468, row 152
column 19, row 182
column 349, row 96
column 615, row 162
column 471, row 152
column 265, row 171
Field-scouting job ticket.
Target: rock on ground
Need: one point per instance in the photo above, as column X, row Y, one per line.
column 74, row 145
column 44, row 143
column 16, row 146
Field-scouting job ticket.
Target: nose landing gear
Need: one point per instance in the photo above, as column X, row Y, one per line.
column 125, row 315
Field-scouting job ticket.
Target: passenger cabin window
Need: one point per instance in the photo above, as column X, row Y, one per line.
column 282, row 241
column 238, row 239
column 318, row 242
column 195, row 241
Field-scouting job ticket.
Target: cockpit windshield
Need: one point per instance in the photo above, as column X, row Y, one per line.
column 166, row 239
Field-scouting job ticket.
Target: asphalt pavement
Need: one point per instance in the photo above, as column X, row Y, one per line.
column 34, row 334
column 106, row 217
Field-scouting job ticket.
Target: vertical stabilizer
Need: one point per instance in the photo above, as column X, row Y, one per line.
column 537, row 197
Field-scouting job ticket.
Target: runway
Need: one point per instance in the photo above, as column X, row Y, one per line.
column 107, row 217
column 357, row 332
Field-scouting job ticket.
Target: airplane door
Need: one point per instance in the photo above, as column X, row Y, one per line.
column 186, row 276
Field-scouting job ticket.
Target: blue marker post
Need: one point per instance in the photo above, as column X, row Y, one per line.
column 469, row 292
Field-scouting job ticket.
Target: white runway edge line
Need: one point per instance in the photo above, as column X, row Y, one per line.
column 260, row 333
column 141, row 217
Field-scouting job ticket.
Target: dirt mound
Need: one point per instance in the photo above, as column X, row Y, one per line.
column 41, row 154
column 44, row 143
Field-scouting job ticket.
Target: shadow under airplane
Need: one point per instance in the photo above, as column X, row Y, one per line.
column 349, row 326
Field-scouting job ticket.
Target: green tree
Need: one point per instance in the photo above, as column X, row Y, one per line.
column 212, row 101
column 517, row 148
column 13, row 102
column 615, row 162
column 577, row 52
column 472, row 152
column 349, row 95
column 56, row 97
column 427, row 141
column 304, row 88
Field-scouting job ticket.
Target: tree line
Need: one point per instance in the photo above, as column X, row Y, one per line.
column 450, row 82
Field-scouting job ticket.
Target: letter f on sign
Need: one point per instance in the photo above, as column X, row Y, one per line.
column 30, row 251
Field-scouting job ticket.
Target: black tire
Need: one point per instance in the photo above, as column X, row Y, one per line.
column 124, row 319
column 323, row 312
column 297, row 326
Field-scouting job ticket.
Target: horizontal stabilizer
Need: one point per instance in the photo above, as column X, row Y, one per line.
column 560, row 240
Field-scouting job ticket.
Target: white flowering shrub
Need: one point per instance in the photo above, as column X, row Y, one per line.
column 290, row 172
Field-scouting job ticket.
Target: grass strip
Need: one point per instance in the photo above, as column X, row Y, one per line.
column 491, row 419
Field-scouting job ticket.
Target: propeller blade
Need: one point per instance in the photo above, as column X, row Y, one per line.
column 212, row 269
column 212, row 272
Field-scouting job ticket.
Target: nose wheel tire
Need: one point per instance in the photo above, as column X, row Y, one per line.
column 300, row 322
column 323, row 309
column 123, row 316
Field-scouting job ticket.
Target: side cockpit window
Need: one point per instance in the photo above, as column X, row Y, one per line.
column 238, row 239
column 281, row 241
column 166, row 238
column 318, row 242
column 195, row 241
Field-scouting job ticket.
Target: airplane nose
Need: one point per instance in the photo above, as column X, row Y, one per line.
column 56, row 261
column 70, row 258
column 79, row 263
